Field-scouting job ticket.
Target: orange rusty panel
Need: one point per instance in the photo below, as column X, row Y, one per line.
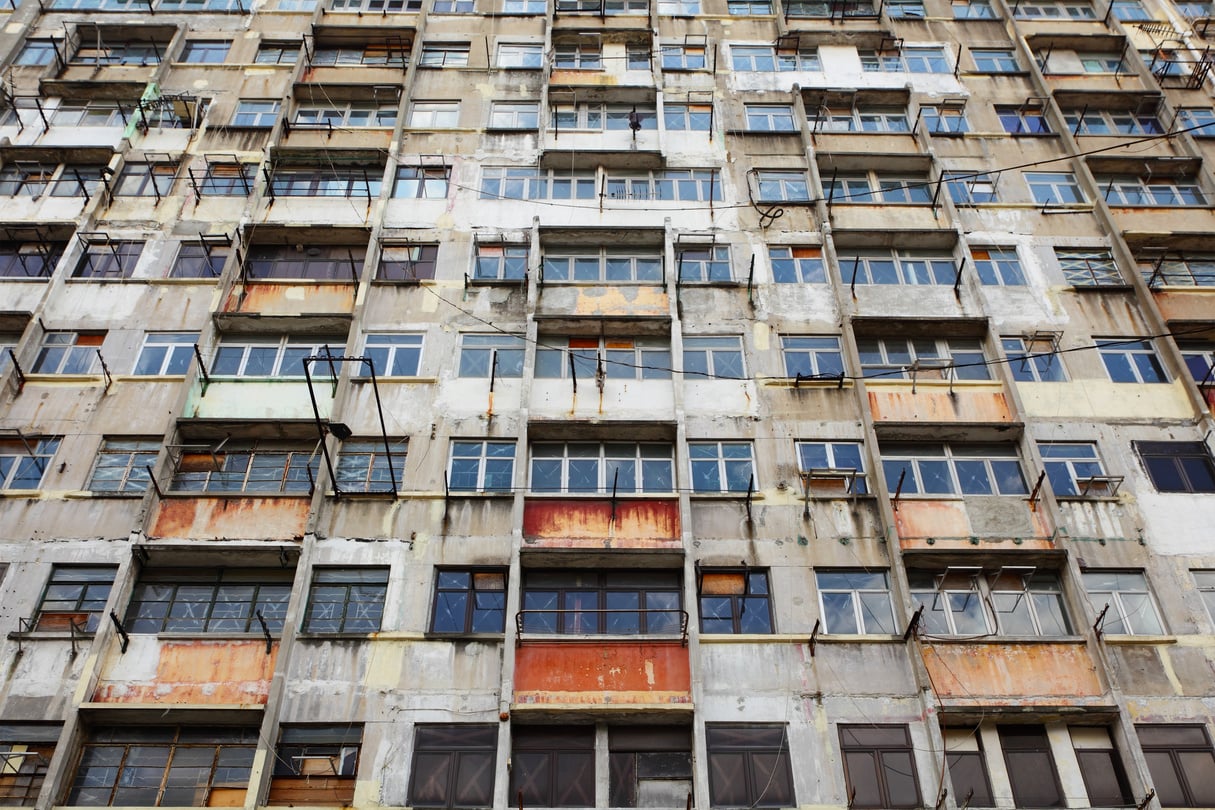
column 1192, row 305
column 589, row 524
column 938, row 406
column 932, row 519
column 581, row 77
column 291, row 299
column 608, row 673
column 231, row 518
column 229, row 672
column 1028, row 672
column 622, row 301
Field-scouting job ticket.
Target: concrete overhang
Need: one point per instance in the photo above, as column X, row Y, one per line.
column 867, row 326
column 129, row 90
column 937, row 239
column 312, row 93
column 590, row 430
column 607, row 158
column 15, row 321
column 567, row 714
column 968, row 713
column 1072, row 98
column 989, row 558
column 215, row 430
column 81, row 154
column 327, row 33
column 583, row 326
column 307, row 233
column 303, row 323
column 209, row 714
column 189, row 554
column 846, row 97
column 562, row 558
column 1140, row 166
column 1179, row 241
column 579, row 93
column 866, row 161
column 1081, row 42
column 860, row 33
column 970, row 432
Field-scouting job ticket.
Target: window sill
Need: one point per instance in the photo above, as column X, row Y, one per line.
column 511, row 130
column 741, row 495
column 1087, row 498
column 746, row 132
column 996, row 638
column 1130, row 640
column 478, row 494
column 40, row 377
column 49, row 635
column 599, row 496
column 10, row 279
column 496, row 282
column 182, row 636
column 817, row 382
column 432, row 636
column 604, row 638
column 731, row 283
column 899, row 382
column 307, row 636
column 183, row 494
column 1016, row 73
column 399, row 380
column 107, row 494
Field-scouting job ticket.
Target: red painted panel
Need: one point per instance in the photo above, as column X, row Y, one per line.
column 605, row 673
column 231, row 518
column 227, row 672
column 589, row 523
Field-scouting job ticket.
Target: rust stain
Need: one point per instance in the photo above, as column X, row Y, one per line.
column 582, row 77
column 197, row 672
column 233, row 518
column 613, row 672
column 939, row 406
column 290, row 299
column 1026, row 671
column 932, row 519
column 581, row 524
column 633, row 301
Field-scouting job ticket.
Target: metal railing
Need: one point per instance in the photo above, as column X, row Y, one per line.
column 599, row 622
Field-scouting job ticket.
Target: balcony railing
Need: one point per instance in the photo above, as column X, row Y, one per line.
column 609, row 622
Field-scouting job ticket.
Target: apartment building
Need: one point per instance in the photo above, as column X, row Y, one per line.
column 607, row 403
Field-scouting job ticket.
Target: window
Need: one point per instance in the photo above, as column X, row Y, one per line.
column 1132, row 611
column 782, row 186
column 1072, row 468
column 1151, row 191
column 363, row 465
column 830, row 9
column 199, row 260
column 1023, row 120
column 139, row 54
column 255, row 114
column 317, row 262
column 995, row 60
column 553, row 766
column 122, row 465
column 971, row 602
column 146, row 180
column 1096, row 122
column 631, row 265
column 1054, row 10
column 29, row 259
column 648, row 765
column 970, row 188
column 1178, row 466
column 687, row 117
column 37, row 52
column 1033, row 360
column 999, row 267
column 833, row 466
column 354, row 114
column 734, row 601
column 1199, row 358
column 897, row 9
column 1054, row 188
column 523, row 6
column 749, row 766
column 1199, row 121
column 454, row 7
column 1181, row 764
column 245, row 467
column 911, row 59
column 1131, row 361
column 215, row 601
column 23, row 180
column 75, row 595
column 407, row 262
column 770, row 118
column 500, row 262
column 923, row 358
column 862, row 119
column 678, row 8
column 1130, row 11
column 967, row 767
column 537, row 184
column 707, row 264
column 615, row 358
column 683, row 57
column 376, row 53
column 1195, row 9
column 598, row 117
column 332, row 181
column 68, row 353
column 514, row 115
column 898, row 267
column 163, row 766
column 205, row 51
column 722, row 466
column 97, row 113
column 713, row 357
column 589, row 467
column 420, row 182
column 937, row 469
column 1180, row 270
column 272, row 356
column 394, row 355
column 469, row 600
column 791, row 265
column 871, row 188
column 612, row 602
column 1031, row 766
column 637, row 54
column 108, row 259
column 434, row 114
column 749, row 8
column 277, row 53
column 453, row 765
column 854, row 602
column 228, row 179
column 1089, row 267
column 26, row 750
column 767, row 59
column 1105, row 63
column 491, row 355
column 520, row 55
column 1100, row 767
column 481, row 466
column 812, row 356
column 670, row 185
column 945, row 120
column 346, row 600
column 319, row 762
column 23, row 463
column 577, row 56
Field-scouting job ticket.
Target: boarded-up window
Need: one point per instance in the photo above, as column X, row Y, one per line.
column 749, row 766
column 453, row 765
column 650, row 766
column 554, row 767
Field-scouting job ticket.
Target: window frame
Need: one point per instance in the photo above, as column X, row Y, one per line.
column 17, row 462
column 1055, row 188
column 713, row 357
column 857, row 604
column 135, row 455
column 877, row 752
column 1027, row 364
column 257, row 469
column 723, row 469
column 753, row 591
column 954, row 358
column 1124, row 359
column 503, row 474
column 71, row 590
column 469, row 595
column 1120, row 619
column 452, row 758
column 1089, row 267
column 474, row 344
column 995, row 60
column 371, row 581
column 750, row 750
column 609, row 458
column 267, row 592
column 68, row 346
column 1153, row 750
column 1176, row 453
column 939, row 464
column 363, row 466
column 567, row 602
column 109, row 259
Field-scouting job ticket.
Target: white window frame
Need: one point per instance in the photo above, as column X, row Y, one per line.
column 434, row 114
column 728, row 468
column 1121, row 618
column 463, row 449
column 395, row 349
column 862, row 592
column 287, row 349
column 920, row 459
column 178, row 352
column 519, row 56
column 608, row 457
column 720, row 355
column 636, row 259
